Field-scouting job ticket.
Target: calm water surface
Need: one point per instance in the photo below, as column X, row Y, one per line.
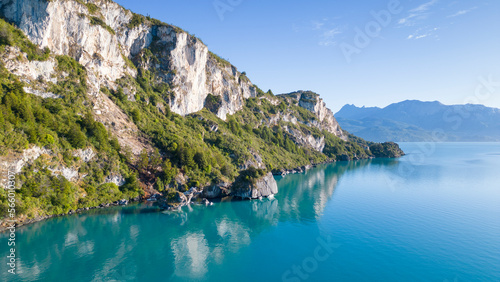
column 433, row 215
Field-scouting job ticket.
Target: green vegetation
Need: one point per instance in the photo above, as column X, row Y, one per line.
column 199, row 148
column 136, row 20
column 251, row 175
column 219, row 60
column 213, row 103
column 128, row 62
column 94, row 20
column 243, row 77
column 11, row 36
column 27, row 120
column 90, row 6
column 386, row 150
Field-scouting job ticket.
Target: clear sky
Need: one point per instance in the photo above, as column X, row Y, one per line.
column 362, row 52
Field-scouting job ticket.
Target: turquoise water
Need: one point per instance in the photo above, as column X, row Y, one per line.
column 433, row 215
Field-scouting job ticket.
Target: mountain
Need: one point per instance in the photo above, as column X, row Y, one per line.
column 422, row 121
column 100, row 104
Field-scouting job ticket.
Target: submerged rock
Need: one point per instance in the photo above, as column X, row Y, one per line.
column 206, row 202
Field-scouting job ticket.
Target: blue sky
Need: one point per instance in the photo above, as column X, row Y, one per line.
column 362, row 52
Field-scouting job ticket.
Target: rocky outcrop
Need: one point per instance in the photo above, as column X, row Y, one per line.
column 174, row 200
column 386, row 150
column 102, row 39
column 307, row 140
column 264, row 186
column 16, row 161
column 324, row 117
column 254, row 161
column 17, row 63
column 225, row 81
column 66, row 172
column 85, row 155
column 117, row 179
column 216, row 191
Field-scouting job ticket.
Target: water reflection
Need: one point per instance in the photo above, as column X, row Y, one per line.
column 191, row 252
column 113, row 244
column 306, row 195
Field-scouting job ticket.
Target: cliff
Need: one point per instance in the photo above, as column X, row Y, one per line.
column 254, row 184
column 99, row 104
column 103, row 36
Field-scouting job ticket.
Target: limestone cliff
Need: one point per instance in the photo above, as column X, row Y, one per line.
column 324, row 117
column 112, row 43
column 103, row 37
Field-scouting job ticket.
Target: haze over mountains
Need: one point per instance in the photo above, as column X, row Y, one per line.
column 413, row 121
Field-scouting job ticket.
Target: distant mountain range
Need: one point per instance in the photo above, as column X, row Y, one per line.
column 413, row 121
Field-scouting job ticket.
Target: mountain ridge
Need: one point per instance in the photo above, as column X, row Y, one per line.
column 413, row 120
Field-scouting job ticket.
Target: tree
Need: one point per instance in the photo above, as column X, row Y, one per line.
column 131, row 186
column 201, row 160
column 136, row 115
column 143, row 161
column 159, row 186
column 76, row 137
column 155, row 160
column 169, row 172
column 186, row 156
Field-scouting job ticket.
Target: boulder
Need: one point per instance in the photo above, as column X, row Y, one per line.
column 264, row 186
column 216, row 191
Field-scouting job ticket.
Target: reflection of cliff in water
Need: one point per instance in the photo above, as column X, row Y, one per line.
column 303, row 197
column 187, row 242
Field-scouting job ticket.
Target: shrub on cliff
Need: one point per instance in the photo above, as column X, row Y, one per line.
column 251, row 175
column 9, row 35
column 386, row 150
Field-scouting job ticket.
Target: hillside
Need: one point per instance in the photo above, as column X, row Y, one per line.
column 411, row 121
column 100, row 104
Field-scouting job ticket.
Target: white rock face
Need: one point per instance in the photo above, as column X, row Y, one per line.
column 188, row 59
column 85, row 155
column 117, row 179
column 264, row 187
column 313, row 103
column 194, row 72
column 64, row 27
column 66, row 172
column 302, row 139
column 228, row 83
column 17, row 63
column 29, row 156
column 14, row 162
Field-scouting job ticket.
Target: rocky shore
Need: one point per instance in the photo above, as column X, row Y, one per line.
column 256, row 188
column 26, row 221
column 264, row 186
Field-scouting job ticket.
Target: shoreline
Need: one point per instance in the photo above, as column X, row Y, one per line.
column 71, row 212
column 282, row 173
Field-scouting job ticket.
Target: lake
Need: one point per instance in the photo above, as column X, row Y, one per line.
column 433, row 215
